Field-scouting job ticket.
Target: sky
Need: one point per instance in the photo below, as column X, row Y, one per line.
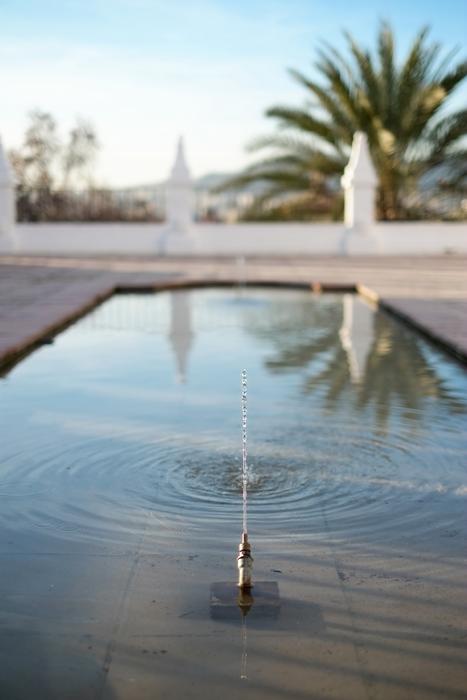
column 146, row 71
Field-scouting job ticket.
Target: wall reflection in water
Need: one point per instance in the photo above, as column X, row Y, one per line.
column 151, row 314
column 181, row 334
column 337, row 345
column 356, row 334
column 340, row 345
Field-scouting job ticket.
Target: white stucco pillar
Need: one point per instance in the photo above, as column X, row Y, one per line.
column 179, row 200
column 360, row 182
column 179, row 193
column 7, row 202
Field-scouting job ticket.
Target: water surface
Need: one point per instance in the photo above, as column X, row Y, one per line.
column 120, row 501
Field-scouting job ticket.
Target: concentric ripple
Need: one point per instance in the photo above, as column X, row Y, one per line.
column 79, row 465
column 103, row 492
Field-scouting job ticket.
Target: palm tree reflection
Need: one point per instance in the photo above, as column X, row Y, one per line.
column 372, row 359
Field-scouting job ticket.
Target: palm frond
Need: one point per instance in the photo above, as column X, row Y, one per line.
column 344, row 90
column 397, row 106
column 454, row 77
column 301, row 120
column 410, row 73
column 368, row 76
column 345, row 126
column 387, row 77
column 445, row 133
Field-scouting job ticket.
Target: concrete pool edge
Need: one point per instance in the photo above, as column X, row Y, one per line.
column 395, row 308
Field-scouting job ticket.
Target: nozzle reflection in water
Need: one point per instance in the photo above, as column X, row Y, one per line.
column 244, row 661
column 245, row 602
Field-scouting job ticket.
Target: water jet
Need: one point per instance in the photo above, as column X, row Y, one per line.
column 227, row 599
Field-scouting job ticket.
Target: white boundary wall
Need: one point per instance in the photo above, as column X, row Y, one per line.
column 423, row 238
column 360, row 234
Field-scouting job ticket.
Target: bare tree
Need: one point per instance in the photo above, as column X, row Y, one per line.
column 44, row 163
column 79, row 153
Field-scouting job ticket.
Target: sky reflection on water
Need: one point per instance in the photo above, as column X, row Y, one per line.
column 120, row 495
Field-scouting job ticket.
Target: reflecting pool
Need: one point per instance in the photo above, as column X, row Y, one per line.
column 120, row 502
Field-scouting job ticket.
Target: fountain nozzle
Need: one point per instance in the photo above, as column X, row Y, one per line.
column 244, row 563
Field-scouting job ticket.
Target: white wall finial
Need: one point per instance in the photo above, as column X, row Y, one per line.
column 180, row 171
column 359, row 182
column 7, row 201
column 179, row 193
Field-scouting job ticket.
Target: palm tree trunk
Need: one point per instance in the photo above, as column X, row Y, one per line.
column 389, row 199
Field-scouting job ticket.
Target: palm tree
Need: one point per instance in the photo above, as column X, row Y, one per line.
column 401, row 108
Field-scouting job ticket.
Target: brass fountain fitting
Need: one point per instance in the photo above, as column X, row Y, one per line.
column 244, row 563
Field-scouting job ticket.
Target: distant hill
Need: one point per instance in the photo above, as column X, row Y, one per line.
column 211, row 180
column 204, row 183
column 228, row 206
column 209, row 205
